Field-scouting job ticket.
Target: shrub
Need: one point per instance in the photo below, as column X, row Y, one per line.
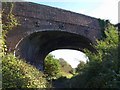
column 103, row 69
column 52, row 67
column 19, row 74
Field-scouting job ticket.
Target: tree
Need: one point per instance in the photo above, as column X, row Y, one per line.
column 102, row 69
column 80, row 66
column 107, row 59
column 65, row 67
column 52, row 66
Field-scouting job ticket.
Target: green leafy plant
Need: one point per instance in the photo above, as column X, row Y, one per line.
column 80, row 66
column 17, row 73
column 9, row 23
column 52, row 67
column 102, row 70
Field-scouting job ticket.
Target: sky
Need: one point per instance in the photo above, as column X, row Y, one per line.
column 71, row 56
column 104, row 9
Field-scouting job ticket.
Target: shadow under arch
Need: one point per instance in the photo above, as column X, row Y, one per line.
column 36, row 46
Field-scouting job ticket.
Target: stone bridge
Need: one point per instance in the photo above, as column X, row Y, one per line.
column 43, row 29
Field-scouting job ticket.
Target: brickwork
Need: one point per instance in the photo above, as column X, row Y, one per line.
column 39, row 18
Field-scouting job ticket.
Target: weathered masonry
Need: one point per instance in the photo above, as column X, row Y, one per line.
column 43, row 29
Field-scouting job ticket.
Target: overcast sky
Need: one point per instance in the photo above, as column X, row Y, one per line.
column 104, row 9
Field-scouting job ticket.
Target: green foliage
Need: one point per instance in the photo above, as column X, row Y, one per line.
column 103, row 69
column 103, row 24
column 19, row 74
column 52, row 66
column 9, row 23
column 80, row 66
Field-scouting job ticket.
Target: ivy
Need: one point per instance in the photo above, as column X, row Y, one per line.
column 103, row 24
column 10, row 23
column 17, row 73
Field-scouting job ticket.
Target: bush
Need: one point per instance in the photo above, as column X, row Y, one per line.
column 16, row 73
column 103, row 69
column 19, row 74
column 52, row 67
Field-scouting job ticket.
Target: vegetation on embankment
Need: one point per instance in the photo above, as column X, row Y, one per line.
column 66, row 69
column 103, row 68
column 56, row 68
column 17, row 73
column 101, row 71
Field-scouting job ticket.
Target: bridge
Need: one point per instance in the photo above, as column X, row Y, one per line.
column 43, row 29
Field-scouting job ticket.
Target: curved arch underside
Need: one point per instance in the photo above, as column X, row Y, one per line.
column 36, row 46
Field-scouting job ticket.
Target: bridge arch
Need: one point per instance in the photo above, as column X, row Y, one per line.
column 36, row 46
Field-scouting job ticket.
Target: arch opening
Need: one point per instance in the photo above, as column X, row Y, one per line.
column 35, row 47
column 69, row 63
column 72, row 57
